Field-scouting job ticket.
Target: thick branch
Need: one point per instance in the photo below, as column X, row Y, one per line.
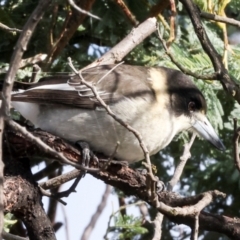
column 20, row 47
column 131, row 182
column 222, row 74
column 136, row 36
column 23, row 199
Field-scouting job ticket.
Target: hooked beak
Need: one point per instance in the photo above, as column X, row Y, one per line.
column 204, row 128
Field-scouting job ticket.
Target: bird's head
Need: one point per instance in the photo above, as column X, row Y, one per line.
column 188, row 103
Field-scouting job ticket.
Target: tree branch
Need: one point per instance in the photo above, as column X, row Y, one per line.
column 119, row 51
column 222, row 74
column 218, row 18
column 172, row 205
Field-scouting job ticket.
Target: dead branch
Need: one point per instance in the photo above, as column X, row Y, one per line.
column 172, row 205
column 69, row 28
column 172, row 23
column 183, row 160
column 59, row 180
column 157, row 222
column 82, row 11
column 88, row 230
column 118, row 119
column 119, row 51
column 8, row 29
column 44, row 147
column 20, row 48
column 23, row 198
column 218, row 18
column 127, row 12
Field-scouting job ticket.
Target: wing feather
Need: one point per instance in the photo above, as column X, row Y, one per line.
column 124, row 81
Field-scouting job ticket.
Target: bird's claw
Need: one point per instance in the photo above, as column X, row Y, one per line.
column 87, row 154
column 160, row 186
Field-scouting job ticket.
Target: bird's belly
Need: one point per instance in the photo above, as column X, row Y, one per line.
column 102, row 132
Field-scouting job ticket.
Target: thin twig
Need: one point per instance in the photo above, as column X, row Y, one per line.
column 181, row 67
column 172, row 22
column 71, row 2
column 36, row 70
column 229, row 85
column 72, row 188
column 119, row 210
column 202, row 201
column 235, row 144
column 49, row 194
column 183, row 160
column 195, row 229
column 218, row 18
column 59, row 180
column 88, row 230
column 158, row 226
column 116, row 118
column 65, row 222
column 127, row 12
column 8, row 29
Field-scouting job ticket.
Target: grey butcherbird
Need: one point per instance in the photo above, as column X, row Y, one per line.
column 156, row 101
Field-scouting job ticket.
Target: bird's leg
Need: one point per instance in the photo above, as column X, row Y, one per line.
column 87, row 154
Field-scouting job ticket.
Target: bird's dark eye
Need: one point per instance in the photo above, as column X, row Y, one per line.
column 191, row 106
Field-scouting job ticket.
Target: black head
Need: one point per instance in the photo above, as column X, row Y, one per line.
column 185, row 97
column 187, row 101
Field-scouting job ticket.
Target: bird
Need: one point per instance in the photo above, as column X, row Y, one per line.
column 158, row 102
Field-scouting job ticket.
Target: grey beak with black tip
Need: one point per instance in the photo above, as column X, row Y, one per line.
column 204, row 128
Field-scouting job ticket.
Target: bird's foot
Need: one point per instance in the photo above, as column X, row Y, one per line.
column 160, row 186
column 86, row 152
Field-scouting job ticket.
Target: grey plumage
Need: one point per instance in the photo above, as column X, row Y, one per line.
column 158, row 102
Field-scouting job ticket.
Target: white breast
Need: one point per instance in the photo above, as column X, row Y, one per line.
column 101, row 131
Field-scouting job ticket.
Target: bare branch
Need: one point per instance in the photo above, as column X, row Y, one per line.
column 8, row 29
column 127, row 12
column 183, row 160
column 59, row 180
column 158, row 226
column 172, row 22
column 88, row 230
column 49, row 194
column 222, row 74
column 45, row 147
column 194, row 235
column 175, row 207
column 20, row 47
column 218, row 18
column 72, row 3
column 204, row 200
column 116, row 118
column 181, row 67
column 32, row 60
column 119, row 51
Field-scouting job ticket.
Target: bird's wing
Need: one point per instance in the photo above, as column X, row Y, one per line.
column 122, row 82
